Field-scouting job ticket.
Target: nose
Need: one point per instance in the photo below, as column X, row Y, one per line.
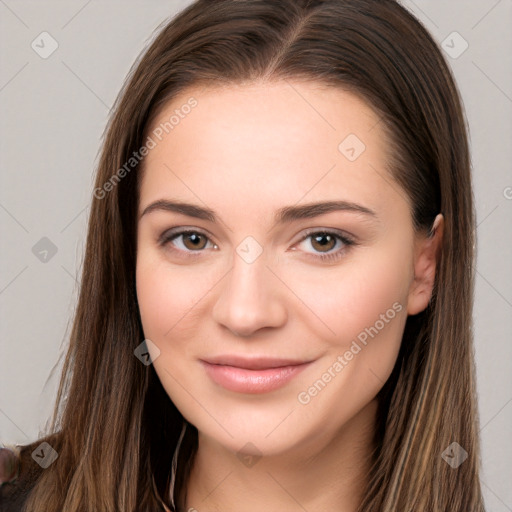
column 249, row 299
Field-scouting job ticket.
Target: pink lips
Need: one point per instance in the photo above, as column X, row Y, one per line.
column 257, row 375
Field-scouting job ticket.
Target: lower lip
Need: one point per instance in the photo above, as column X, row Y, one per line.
column 243, row 380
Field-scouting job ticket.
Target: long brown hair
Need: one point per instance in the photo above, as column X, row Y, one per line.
column 114, row 427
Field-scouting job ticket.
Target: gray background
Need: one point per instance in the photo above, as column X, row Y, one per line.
column 53, row 114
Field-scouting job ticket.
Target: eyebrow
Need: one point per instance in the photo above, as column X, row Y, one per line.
column 284, row 215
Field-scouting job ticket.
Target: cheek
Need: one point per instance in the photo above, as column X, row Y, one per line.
column 364, row 305
column 343, row 302
column 169, row 304
column 167, row 297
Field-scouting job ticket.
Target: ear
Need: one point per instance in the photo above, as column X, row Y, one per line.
column 426, row 255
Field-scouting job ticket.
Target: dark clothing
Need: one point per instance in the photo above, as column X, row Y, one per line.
column 14, row 493
column 20, row 475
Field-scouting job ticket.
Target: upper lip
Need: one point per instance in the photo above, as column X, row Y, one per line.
column 253, row 363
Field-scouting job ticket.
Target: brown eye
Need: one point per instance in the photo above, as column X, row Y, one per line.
column 186, row 241
column 326, row 246
column 323, row 242
column 194, row 241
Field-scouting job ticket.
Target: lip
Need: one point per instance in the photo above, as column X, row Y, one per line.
column 252, row 375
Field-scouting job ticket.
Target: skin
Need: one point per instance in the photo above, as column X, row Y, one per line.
column 245, row 152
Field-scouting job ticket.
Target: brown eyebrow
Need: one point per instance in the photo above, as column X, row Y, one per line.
column 282, row 216
column 191, row 210
column 307, row 211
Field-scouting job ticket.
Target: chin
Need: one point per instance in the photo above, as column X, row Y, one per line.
column 268, row 426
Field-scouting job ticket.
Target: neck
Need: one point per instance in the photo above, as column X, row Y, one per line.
column 325, row 473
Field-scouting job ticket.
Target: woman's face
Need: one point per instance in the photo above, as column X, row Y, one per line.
column 276, row 262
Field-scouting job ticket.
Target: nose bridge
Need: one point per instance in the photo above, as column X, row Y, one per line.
column 248, row 299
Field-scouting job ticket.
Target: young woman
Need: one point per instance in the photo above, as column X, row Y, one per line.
column 276, row 297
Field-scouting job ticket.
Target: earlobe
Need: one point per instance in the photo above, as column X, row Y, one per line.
column 427, row 253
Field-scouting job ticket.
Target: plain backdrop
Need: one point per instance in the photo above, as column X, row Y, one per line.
column 54, row 110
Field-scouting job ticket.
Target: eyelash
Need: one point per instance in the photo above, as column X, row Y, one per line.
column 347, row 241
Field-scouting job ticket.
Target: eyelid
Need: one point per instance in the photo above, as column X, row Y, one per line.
column 181, row 230
column 331, row 231
column 167, row 234
column 347, row 240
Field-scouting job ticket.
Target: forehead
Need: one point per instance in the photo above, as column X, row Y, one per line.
column 276, row 142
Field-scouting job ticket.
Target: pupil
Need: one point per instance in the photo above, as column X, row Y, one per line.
column 194, row 239
column 324, row 240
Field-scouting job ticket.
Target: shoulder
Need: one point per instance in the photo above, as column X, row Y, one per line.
column 18, row 475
